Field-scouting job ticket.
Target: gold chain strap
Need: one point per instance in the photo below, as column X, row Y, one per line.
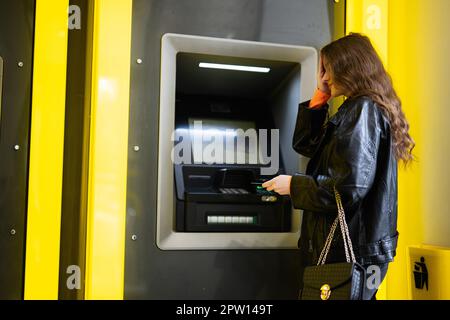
column 348, row 246
column 344, row 228
column 326, row 248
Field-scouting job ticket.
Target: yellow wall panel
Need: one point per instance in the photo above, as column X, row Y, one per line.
column 105, row 244
column 46, row 150
column 403, row 57
column 420, row 47
column 418, row 63
column 370, row 17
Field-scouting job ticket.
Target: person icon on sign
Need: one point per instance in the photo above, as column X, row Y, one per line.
column 421, row 274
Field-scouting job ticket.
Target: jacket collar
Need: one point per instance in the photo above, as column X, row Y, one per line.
column 339, row 115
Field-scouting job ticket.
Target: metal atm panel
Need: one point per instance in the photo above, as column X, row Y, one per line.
column 16, row 61
column 152, row 273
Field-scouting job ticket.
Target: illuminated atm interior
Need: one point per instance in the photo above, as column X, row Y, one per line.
column 218, row 100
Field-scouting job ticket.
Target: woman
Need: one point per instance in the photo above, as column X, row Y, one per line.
column 356, row 150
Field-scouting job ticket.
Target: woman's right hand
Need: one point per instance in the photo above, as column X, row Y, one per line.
column 322, row 78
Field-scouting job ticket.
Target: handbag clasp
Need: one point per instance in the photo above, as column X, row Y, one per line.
column 325, row 292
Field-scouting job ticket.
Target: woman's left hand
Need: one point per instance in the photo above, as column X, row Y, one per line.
column 280, row 184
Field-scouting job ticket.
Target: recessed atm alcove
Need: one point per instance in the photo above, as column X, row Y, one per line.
column 218, row 203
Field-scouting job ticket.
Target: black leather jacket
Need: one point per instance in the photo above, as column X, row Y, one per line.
column 353, row 151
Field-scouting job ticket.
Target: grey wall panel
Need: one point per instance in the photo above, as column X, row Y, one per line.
column 154, row 274
column 308, row 23
column 16, row 48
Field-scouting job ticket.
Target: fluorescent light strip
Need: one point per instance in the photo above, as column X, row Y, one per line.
column 232, row 67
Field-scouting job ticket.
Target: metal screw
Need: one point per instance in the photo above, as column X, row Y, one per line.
column 136, row 148
column 13, row 231
column 139, row 61
column 20, row 64
column 16, row 147
column 134, row 237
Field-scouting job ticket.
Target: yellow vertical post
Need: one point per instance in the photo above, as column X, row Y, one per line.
column 397, row 43
column 406, row 54
column 370, row 17
column 105, row 244
column 46, row 150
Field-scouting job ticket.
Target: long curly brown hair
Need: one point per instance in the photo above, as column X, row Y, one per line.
column 356, row 67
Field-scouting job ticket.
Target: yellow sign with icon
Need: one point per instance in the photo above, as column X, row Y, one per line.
column 428, row 267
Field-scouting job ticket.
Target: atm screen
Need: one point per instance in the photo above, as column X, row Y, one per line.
column 224, row 141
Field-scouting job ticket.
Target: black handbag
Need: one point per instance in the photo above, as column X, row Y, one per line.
column 335, row 281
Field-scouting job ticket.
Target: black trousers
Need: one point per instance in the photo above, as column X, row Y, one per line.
column 370, row 294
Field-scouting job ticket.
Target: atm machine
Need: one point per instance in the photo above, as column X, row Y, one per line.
column 199, row 225
column 227, row 114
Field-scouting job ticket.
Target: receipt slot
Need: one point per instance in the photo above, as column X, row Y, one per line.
column 226, row 118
